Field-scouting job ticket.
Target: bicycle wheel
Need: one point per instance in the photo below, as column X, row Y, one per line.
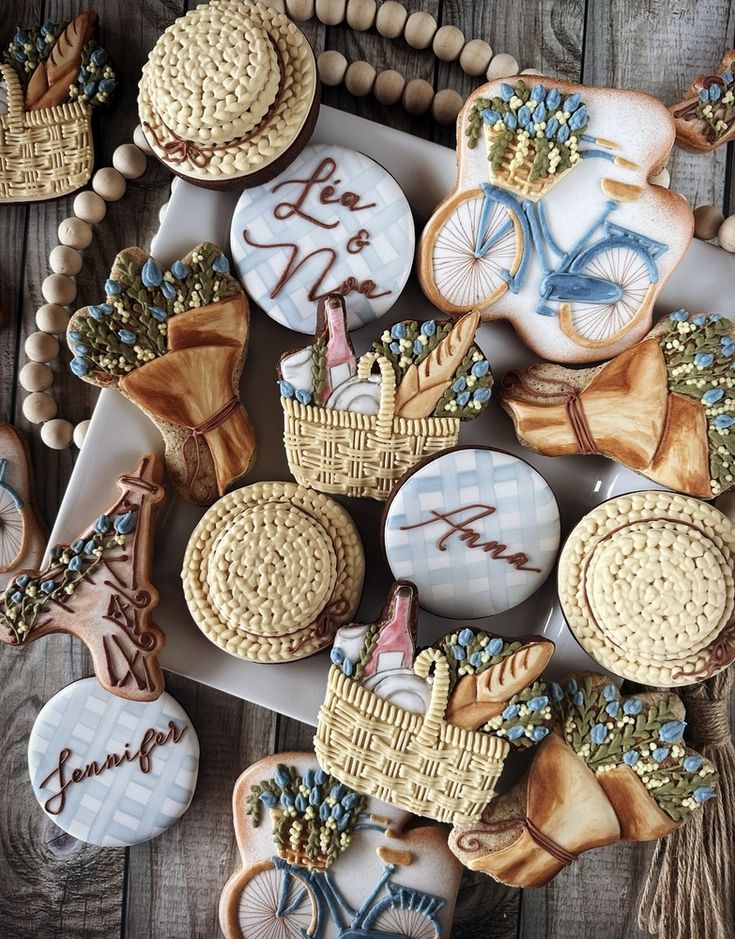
column 12, row 530
column 452, row 275
column 402, row 921
column 600, row 324
column 263, row 890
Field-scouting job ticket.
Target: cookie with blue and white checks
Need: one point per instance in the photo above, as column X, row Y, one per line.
column 476, row 530
column 110, row 771
column 334, row 222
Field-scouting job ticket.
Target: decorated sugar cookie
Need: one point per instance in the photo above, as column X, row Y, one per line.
column 705, row 119
column 174, row 342
column 354, row 427
column 553, row 224
column 229, row 94
column 476, row 530
column 22, row 537
column 98, row 589
column 646, row 585
column 321, row 860
column 334, row 222
column 272, row 570
column 54, row 77
column 614, row 768
column 664, row 407
column 112, row 772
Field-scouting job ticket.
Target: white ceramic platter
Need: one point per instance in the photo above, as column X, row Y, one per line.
column 120, row 434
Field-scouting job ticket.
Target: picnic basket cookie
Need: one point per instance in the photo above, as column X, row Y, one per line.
column 174, row 342
column 705, row 119
column 614, row 768
column 553, row 223
column 476, row 529
column 98, row 589
column 646, row 586
column 229, row 94
column 54, row 77
column 320, row 859
column 272, row 570
column 664, row 407
column 22, row 535
column 109, row 771
column 353, row 430
column 334, row 221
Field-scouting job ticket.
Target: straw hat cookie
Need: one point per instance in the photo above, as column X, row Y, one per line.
column 646, row 585
column 228, row 96
column 272, row 570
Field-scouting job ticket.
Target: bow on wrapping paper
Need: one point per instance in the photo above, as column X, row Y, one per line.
column 624, row 412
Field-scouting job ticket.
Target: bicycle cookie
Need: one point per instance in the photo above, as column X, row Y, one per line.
column 664, row 407
column 613, row 769
column 574, row 263
column 22, row 533
column 229, row 94
column 351, row 430
column 98, row 589
column 705, row 119
column 476, row 529
column 331, row 862
column 112, row 772
column 272, row 570
column 646, row 586
column 174, row 342
column 335, row 221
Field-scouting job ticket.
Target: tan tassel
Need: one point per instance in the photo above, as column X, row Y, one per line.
column 690, row 888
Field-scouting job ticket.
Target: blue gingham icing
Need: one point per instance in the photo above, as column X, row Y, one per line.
column 122, row 805
column 460, row 581
column 386, row 260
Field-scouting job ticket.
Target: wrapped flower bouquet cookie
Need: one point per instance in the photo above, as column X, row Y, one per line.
column 705, row 119
column 22, row 537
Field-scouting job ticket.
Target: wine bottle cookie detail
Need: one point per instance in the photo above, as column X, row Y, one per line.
column 334, row 222
column 112, row 772
column 320, row 859
column 476, row 529
column 354, row 426
column 613, row 769
column 553, row 224
column 22, row 535
column 664, row 407
column 705, row 119
column 174, row 342
column 98, row 589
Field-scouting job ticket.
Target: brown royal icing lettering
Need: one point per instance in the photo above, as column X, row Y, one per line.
column 152, row 738
column 455, row 525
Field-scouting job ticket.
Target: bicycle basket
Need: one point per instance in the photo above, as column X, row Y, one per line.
column 291, row 839
column 517, row 176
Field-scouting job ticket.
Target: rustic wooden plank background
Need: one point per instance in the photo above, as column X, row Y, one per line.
column 51, row 885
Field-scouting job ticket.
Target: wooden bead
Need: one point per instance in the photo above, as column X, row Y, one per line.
column 90, row 207
column 359, row 79
column 332, row 67
column 65, row 260
column 391, row 19
column 726, row 234
column 475, row 57
column 501, row 66
column 35, row 376
column 109, row 184
column 330, row 12
column 417, row 96
column 129, row 161
column 662, row 178
column 39, row 407
column 419, row 30
column 42, row 347
column 75, row 233
column 707, row 221
column 57, row 434
column 52, row 318
column 448, row 43
column 58, row 288
column 389, row 87
column 140, row 141
column 531, row 71
column 80, row 433
column 361, row 14
column 446, row 106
